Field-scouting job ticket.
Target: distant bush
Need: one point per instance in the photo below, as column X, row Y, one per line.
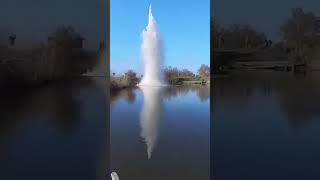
column 204, row 71
column 65, row 37
column 171, row 73
column 236, row 36
column 65, row 48
column 299, row 32
column 129, row 79
column 176, row 76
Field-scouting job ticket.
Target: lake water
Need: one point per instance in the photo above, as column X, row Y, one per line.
column 161, row 133
column 266, row 126
column 55, row 132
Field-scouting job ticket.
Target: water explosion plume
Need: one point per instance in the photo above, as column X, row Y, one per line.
column 152, row 55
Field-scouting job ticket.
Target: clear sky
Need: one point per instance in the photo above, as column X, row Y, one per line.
column 33, row 20
column 265, row 15
column 184, row 26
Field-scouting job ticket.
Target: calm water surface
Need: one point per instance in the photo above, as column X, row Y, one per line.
column 266, row 126
column 161, row 133
column 56, row 132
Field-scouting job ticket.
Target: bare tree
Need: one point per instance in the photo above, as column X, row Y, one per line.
column 299, row 32
column 65, row 37
column 204, row 71
column 2, row 38
column 131, row 78
column 170, row 72
column 237, row 36
column 299, row 26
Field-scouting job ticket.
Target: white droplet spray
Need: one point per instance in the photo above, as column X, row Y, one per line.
column 152, row 55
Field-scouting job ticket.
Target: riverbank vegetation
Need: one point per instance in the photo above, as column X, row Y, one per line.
column 243, row 47
column 175, row 76
column 60, row 57
column 129, row 79
column 172, row 76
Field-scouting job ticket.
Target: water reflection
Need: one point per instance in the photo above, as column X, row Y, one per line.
column 126, row 94
column 296, row 95
column 150, row 116
column 202, row 92
column 272, row 120
column 53, row 103
column 156, row 136
column 50, row 128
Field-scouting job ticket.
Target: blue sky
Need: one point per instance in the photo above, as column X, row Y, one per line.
column 183, row 24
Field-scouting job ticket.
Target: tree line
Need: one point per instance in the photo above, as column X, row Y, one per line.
column 171, row 74
column 300, row 36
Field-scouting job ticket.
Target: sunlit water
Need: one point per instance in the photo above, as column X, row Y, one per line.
column 161, row 133
column 55, row 132
column 266, row 126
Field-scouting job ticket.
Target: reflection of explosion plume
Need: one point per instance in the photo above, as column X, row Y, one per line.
column 150, row 116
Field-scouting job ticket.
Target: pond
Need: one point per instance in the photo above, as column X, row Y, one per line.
column 266, row 126
column 161, row 133
column 57, row 131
